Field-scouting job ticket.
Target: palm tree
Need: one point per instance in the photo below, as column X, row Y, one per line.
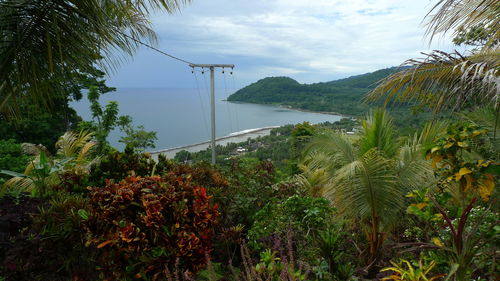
column 45, row 44
column 443, row 80
column 368, row 178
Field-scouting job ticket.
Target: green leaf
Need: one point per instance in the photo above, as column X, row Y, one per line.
column 493, row 169
column 453, row 270
column 83, row 214
column 12, row 173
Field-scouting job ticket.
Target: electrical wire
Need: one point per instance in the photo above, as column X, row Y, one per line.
column 236, row 107
column 227, row 104
column 155, row 49
column 201, row 104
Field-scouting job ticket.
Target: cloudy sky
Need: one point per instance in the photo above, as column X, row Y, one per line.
column 308, row 40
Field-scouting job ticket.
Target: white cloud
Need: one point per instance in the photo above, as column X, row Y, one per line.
column 311, row 41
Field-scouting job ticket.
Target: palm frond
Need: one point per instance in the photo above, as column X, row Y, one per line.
column 70, row 143
column 367, row 188
column 24, row 184
column 335, row 145
column 45, row 44
column 460, row 15
column 86, row 150
column 444, row 80
column 315, row 176
column 413, row 171
column 429, row 132
column 379, row 133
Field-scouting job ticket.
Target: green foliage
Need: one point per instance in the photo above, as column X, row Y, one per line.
column 117, row 165
column 476, row 35
column 461, row 171
column 65, row 38
column 106, row 119
column 464, row 176
column 62, row 234
column 407, row 271
column 38, row 176
column 49, row 247
column 12, row 158
column 342, row 96
column 144, row 225
column 213, row 272
column 74, row 157
column 139, row 138
column 279, row 146
column 301, row 135
column 368, row 178
column 333, row 250
column 305, row 216
column 40, row 127
column 251, row 184
column 269, row 264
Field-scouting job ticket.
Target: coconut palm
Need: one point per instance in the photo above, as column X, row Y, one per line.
column 368, row 179
column 443, row 80
column 45, row 44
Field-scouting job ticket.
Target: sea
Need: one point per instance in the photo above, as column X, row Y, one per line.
column 182, row 116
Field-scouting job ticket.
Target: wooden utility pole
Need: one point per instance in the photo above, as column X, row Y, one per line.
column 212, row 96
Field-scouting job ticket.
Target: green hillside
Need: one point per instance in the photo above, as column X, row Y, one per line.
column 341, row 96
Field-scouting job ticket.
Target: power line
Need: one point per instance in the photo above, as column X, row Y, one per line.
column 155, row 49
column 201, row 103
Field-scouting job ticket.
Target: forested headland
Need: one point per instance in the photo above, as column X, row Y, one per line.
column 344, row 96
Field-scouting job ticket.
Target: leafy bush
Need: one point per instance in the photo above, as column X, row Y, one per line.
column 144, row 226
column 304, row 216
column 11, row 158
column 119, row 165
column 50, row 245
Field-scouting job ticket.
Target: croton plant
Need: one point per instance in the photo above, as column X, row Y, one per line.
column 146, row 228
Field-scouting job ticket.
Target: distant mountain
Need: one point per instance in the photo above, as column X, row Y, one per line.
column 341, row 96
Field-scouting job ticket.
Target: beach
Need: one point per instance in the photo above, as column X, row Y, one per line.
column 232, row 138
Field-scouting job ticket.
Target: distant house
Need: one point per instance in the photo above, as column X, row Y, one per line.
column 241, row 149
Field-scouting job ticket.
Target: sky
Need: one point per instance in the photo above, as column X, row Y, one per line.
column 307, row 40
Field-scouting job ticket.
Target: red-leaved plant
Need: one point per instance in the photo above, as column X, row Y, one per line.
column 146, row 226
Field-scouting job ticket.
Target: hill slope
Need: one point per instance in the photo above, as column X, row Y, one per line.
column 342, row 96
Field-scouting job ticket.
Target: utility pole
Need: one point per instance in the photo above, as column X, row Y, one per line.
column 212, row 96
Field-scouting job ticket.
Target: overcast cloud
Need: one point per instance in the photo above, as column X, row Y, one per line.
column 308, row 40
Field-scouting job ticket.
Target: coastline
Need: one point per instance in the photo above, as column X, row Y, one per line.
column 233, row 138
column 320, row 112
column 296, row 109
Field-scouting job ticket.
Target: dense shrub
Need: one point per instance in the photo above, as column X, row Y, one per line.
column 52, row 248
column 15, row 215
column 119, row 165
column 303, row 216
column 146, row 226
column 11, row 158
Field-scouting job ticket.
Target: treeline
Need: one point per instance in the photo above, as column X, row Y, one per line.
column 279, row 147
column 342, row 96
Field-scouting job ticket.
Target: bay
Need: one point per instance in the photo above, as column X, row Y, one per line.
column 182, row 116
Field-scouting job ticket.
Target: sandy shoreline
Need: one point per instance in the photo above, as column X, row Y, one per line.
column 234, row 138
column 297, row 109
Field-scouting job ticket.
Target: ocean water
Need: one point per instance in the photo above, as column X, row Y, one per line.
column 182, row 116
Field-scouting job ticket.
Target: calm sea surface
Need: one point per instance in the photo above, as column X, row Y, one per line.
column 182, row 116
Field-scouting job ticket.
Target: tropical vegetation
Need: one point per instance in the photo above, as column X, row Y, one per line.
column 359, row 199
